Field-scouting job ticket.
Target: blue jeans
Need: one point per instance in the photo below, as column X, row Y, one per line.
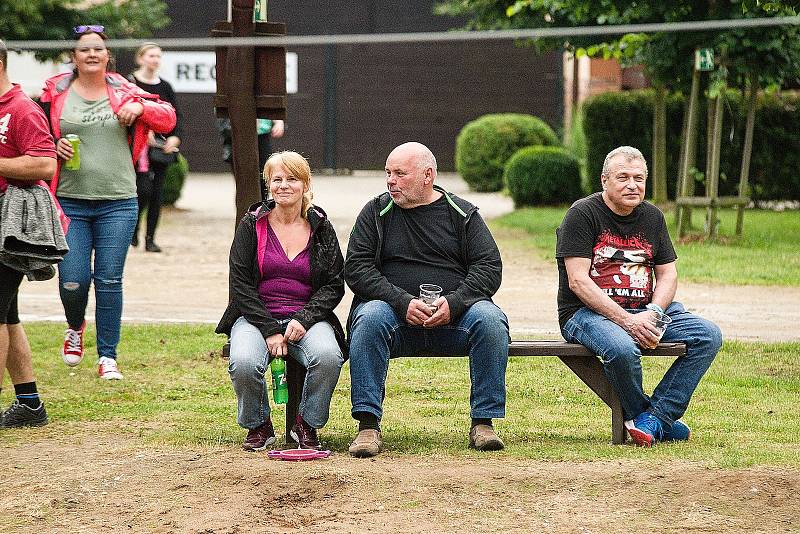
column 317, row 351
column 621, row 358
column 377, row 334
column 104, row 227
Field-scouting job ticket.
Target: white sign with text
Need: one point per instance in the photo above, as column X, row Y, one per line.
column 196, row 72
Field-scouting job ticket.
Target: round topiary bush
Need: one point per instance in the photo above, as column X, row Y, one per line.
column 174, row 180
column 543, row 175
column 484, row 145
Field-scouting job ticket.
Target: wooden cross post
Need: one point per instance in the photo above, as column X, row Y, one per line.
column 251, row 84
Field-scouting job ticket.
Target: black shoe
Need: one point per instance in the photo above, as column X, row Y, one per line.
column 150, row 246
column 135, row 240
column 304, row 435
column 18, row 415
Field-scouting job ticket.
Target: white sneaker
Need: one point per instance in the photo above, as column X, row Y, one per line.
column 107, row 369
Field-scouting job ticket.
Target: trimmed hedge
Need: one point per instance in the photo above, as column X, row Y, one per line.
column 538, row 175
column 484, row 146
column 626, row 118
column 174, row 180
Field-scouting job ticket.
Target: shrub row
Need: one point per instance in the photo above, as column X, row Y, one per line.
column 485, row 145
column 626, row 118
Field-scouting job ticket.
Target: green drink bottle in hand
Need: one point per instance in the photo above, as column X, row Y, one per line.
column 74, row 163
column 280, row 390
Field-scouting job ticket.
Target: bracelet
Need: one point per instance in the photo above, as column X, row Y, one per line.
column 656, row 308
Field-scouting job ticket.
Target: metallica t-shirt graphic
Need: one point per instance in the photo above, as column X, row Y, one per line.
column 623, row 267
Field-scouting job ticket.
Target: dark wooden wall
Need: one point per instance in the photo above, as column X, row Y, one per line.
column 356, row 102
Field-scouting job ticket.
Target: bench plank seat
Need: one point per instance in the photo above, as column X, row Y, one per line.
column 578, row 358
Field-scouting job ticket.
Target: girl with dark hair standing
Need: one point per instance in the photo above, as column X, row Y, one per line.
column 152, row 166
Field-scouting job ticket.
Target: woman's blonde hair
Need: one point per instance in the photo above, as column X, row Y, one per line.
column 298, row 167
column 144, row 48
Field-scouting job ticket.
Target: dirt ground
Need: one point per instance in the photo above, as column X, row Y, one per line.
column 71, row 477
column 136, row 488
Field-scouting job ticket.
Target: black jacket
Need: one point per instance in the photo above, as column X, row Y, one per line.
column 327, row 277
column 479, row 255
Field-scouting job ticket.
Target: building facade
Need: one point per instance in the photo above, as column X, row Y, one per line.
column 354, row 103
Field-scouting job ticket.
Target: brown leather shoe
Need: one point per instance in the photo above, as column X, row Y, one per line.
column 368, row 443
column 304, row 434
column 260, row 438
column 484, row 438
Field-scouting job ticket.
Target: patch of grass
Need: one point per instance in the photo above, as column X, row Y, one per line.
column 765, row 255
column 177, row 392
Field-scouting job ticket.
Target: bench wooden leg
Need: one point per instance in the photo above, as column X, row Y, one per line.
column 590, row 371
column 618, row 433
column 295, row 377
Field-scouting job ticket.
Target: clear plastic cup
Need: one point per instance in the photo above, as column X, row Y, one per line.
column 428, row 293
column 662, row 321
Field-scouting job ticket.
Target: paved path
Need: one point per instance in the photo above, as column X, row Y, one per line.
column 188, row 282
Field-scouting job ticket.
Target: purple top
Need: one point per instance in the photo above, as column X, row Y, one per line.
column 285, row 285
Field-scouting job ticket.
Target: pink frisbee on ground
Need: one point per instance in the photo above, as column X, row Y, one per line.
column 298, row 455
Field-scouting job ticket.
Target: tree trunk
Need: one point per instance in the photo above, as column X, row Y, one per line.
column 659, row 179
column 747, row 150
column 684, row 213
column 712, row 178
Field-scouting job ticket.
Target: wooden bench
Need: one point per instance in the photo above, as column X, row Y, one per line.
column 578, row 358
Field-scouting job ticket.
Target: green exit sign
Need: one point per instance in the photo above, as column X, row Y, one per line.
column 704, row 59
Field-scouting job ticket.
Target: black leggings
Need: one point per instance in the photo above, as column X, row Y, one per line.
column 9, row 287
column 149, row 188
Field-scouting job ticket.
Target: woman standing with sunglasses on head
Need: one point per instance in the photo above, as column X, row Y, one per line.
column 97, row 190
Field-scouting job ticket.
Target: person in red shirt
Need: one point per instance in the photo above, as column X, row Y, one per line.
column 27, row 155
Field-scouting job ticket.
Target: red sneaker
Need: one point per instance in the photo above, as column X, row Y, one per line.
column 72, row 351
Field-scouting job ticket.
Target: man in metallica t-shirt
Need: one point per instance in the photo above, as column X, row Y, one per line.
column 617, row 275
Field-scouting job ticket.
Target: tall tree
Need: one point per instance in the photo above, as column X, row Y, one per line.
column 769, row 54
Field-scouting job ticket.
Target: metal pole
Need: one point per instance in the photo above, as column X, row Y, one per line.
column 330, row 119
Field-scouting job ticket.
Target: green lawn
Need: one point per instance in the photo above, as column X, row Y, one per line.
column 177, row 391
column 768, row 253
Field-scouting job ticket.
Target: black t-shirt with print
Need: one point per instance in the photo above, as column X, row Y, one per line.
column 623, row 250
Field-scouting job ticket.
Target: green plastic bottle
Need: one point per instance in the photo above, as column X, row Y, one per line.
column 74, row 163
column 280, row 390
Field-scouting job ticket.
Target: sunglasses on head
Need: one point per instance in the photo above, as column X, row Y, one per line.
column 93, row 28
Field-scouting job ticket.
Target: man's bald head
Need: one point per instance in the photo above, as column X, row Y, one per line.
column 410, row 172
column 420, row 154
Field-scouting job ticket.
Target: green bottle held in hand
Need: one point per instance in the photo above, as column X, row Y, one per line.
column 74, row 163
column 280, row 390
